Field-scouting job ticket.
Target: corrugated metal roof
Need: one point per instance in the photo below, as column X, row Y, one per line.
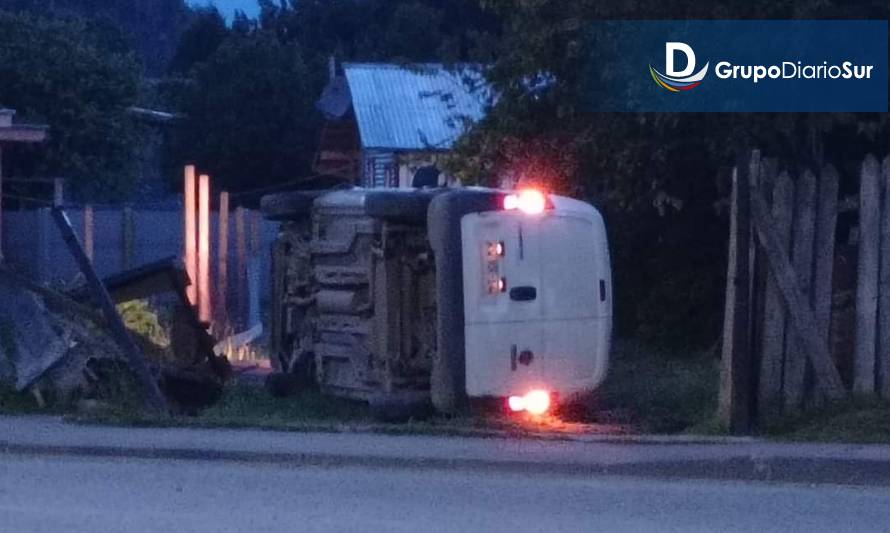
column 415, row 107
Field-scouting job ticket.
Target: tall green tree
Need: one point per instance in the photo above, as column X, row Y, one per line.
column 65, row 73
column 199, row 40
column 150, row 27
column 247, row 94
column 247, row 113
column 654, row 174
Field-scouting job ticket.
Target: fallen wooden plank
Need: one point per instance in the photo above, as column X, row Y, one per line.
column 157, row 277
column 239, row 340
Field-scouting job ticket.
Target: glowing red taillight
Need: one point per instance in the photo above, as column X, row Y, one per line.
column 535, row 402
column 516, row 403
column 529, row 201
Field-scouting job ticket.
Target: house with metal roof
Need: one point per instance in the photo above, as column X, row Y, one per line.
column 388, row 125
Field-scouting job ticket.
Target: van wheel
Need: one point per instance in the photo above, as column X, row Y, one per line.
column 288, row 205
column 409, row 207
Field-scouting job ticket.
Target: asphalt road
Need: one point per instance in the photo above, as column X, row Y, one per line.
column 71, row 494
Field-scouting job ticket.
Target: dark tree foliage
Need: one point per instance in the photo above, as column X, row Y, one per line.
column 385, row 30
column 247, row 94
column 151, row 27
column 200, row 40
column 80, row 81
column 248, row 115
column 654, row 174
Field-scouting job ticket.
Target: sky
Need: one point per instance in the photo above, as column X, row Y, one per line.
column 228, row 7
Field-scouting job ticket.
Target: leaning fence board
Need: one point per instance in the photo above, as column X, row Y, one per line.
column 867, row 278
column 774, row 320
column 802, row 259
column 883, row 360
column 734, row 403
column 154, row 400
column 800, row 316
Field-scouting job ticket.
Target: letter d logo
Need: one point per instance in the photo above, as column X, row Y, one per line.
column 674, row 80
column 670, row 51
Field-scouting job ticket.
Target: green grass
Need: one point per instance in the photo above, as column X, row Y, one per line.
column 647, row 391
column 16, row 403
column 660, row 391
column 246, row 406
column 857, row 420
column 243, row 403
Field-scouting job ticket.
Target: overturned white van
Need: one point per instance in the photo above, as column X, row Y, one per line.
column 407, row 297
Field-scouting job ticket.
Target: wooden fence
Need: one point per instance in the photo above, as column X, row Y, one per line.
column 789, row 342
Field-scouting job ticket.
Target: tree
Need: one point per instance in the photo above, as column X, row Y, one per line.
column 59, row 72
column 200, row 40
column 653, row 174
column 150, row 27
column 247, row 94
column 248, row 115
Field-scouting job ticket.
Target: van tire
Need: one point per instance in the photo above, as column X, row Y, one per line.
column 288, row 205
column 402, row 206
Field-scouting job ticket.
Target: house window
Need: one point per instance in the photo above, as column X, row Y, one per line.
column 380, row 171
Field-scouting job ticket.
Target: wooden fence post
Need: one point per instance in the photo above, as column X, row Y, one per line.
column 58, row 192
column 802, row 259
column 774, row 318
column 735, row 378
column 826, row 224
column 241, row 265
column 222, row 281
column 189, row 234
column 867, row 278
column 204, row 312
column 89, row 228
column 1, row 203
column 883, row 362
column 129, row 237
column 823, row 251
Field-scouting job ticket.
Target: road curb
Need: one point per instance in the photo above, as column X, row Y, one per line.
column 763, row 469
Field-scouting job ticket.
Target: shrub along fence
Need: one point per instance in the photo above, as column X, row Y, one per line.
column 801, row 327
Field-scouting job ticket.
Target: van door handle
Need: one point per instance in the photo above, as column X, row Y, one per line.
column 523, row 294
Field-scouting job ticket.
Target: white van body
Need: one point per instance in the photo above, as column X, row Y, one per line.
column 537, row 300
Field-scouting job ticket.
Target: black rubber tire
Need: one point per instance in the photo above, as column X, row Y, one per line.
column 401, row 205
column 288, row 205
column 399, row 408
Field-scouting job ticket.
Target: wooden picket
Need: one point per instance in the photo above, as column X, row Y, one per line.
column 883, row 361
column 778, row 355
column 867, row 278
